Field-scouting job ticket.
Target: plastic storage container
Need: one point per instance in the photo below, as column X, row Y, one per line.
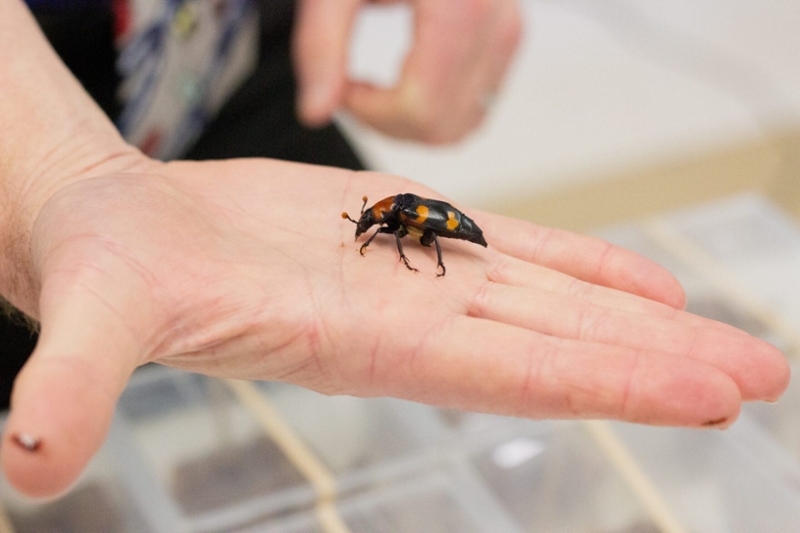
column 206, row 452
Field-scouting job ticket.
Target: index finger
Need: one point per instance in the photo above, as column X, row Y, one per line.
column 320, row 45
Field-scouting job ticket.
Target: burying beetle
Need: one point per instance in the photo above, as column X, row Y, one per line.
column 424, row 219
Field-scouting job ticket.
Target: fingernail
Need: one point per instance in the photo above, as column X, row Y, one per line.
column 27, row 441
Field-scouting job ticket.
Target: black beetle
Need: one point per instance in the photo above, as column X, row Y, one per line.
column 424, row 219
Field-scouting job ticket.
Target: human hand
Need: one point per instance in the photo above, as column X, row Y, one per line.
column 244, row 269
column 456, row 65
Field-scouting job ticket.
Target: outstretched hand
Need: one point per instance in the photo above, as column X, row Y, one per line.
column 245, row 269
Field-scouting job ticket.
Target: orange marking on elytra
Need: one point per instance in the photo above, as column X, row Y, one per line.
column 452, row 223
column 422, row 214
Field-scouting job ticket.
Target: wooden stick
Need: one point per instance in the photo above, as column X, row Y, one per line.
column 296, row 451
column 645, row 490
column 5, row 522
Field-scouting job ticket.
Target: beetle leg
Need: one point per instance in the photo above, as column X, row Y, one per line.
column 380, row 230
column 427, row 238
column 439, row 256
column 397, row 235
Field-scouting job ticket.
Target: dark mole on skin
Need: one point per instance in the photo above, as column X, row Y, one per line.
column 715, row 422
column 27, row 442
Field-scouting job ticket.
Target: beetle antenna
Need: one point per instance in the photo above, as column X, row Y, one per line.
column 347, row 217
column 364, row 205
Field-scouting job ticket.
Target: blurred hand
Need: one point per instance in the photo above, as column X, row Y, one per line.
column 460, row 54
column 244, row 269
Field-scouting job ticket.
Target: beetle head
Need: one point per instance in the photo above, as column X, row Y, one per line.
column 366, row 221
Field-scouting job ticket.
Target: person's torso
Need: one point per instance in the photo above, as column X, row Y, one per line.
column 161, row 68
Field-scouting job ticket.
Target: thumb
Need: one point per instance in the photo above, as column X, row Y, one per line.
column 321, row 42
column 390, row 111
column 63, row 400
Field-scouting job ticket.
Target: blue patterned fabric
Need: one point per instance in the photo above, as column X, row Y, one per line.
column 178, row 61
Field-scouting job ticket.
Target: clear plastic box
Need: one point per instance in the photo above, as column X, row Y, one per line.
column 358, row 439
column 780, row 421
column 435, row 503
column 756, row 241
column 559, row 481
column 714, row 481
column 206, row 452
column 704, row 298
column 465, row 422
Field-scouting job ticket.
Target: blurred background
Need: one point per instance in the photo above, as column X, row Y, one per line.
column 639, row 97
column 670, row 128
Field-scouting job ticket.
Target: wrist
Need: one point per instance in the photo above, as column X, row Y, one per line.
column 27, row 184
column 53, row 135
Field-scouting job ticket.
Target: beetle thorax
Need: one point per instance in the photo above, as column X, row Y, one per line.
column 382, row 208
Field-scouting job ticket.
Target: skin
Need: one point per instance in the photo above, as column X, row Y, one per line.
column 459, row 56
column 244, row 268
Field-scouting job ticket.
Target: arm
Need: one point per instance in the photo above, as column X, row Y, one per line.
column 53, row 134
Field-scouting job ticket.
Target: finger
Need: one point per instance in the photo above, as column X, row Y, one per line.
column 518, row 273
column 409, row 112
column 389, row 110
column 320, row 44
column 434, row 100
column 506, row 37
column 581, row 256
column 64, row 397
column 488, row 366
column 759, row 369
column 501, row 43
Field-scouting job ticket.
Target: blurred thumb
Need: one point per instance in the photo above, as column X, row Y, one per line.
column 63, row 400
column 321, row 43
column 388, row 110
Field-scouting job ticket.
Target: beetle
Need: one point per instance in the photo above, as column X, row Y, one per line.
column 422, row 218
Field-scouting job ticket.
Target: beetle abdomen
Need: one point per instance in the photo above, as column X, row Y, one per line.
column 469, row 231
column 440, row 218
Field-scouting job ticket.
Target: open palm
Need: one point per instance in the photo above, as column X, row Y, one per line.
column 245, row 269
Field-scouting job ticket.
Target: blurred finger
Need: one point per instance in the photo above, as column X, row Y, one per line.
column 502, row 42
column 508, row 32
column 435, row 100
column 320, row 45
